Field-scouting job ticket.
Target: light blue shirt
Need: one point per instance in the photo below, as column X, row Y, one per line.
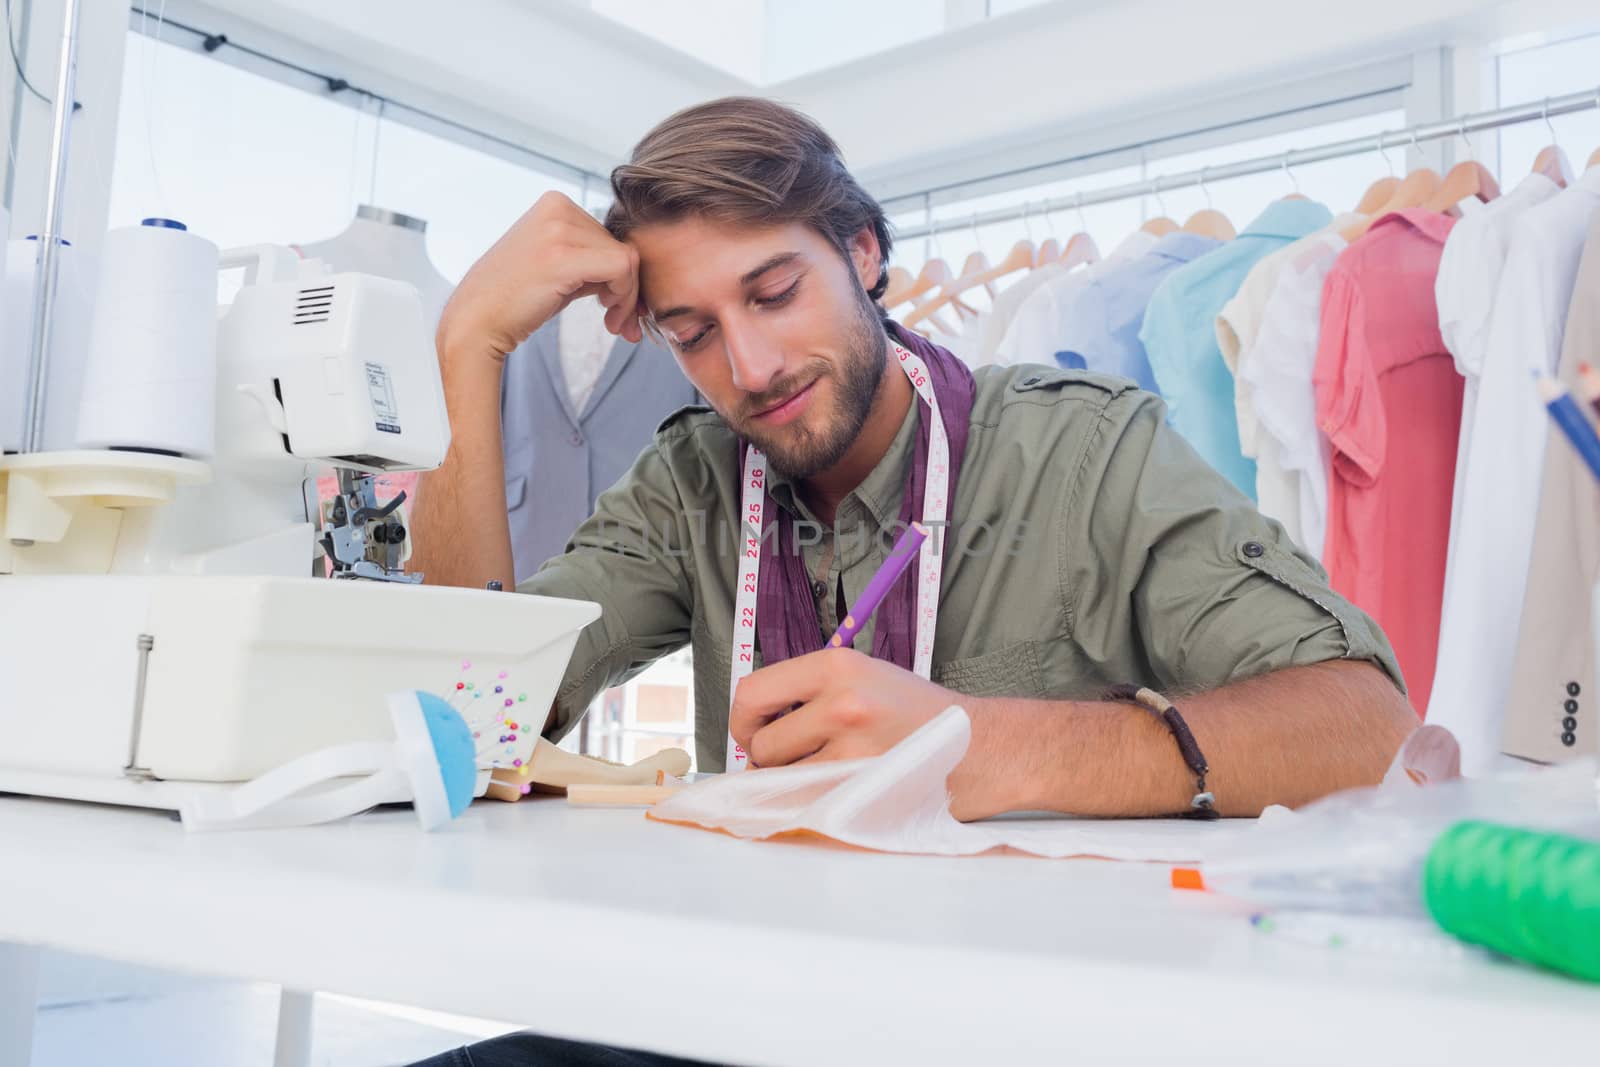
column 1180, row 335
column 1100, row 328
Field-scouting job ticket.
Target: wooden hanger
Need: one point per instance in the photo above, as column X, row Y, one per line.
column 1208, row 222
column 900, row 283
column 1294, row 193
column 1161, row 225
column 935, row 273
column 1416, row 190
column 976, row 265
column 1080, row 249
column 1381, row 191
column 1377, row 195
column 1021, row 257
column 1594, row 160
column 1049, row 252
column 1551, row 161
column 1465, row 180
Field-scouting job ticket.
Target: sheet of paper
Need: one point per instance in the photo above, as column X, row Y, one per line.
column 898, row 802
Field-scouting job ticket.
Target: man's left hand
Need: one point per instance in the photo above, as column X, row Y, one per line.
column 846, row 705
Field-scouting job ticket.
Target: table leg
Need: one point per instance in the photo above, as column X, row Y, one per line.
column 294, row 1029
column 19, row 1002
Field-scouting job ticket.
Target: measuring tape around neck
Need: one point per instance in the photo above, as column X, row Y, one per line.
column 935, row 508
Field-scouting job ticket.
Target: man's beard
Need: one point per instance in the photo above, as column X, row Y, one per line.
column 804, row 451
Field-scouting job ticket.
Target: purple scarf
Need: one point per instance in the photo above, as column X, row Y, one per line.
column 786, row 615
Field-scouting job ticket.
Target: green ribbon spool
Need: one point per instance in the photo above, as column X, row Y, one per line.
column 1535, row 896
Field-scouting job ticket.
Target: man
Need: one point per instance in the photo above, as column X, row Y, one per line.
column 1088, row 546
column 1084, row 544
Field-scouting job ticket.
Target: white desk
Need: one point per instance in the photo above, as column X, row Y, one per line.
column 597, row 924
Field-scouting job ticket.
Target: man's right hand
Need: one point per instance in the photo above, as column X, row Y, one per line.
column 554, row 254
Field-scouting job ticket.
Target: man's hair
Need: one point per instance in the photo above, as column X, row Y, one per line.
column 745, row 159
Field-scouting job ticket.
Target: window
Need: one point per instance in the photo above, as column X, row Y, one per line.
column 1534, row 74
column 1338, row 183
column 242, row 159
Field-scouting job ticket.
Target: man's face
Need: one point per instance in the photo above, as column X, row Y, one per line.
column 773, row 327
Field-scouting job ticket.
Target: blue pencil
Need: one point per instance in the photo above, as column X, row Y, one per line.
column 1565, row 411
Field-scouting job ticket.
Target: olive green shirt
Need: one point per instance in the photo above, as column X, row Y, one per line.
column 1088, row 545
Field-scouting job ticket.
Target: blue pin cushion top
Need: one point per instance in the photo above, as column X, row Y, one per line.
column 166, row 224
column 452, row 743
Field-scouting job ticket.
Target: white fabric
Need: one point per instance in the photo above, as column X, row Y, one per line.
column 1035, row 331
column 1273, row 382
column 964, row 343
column 898, row 802
column 1004, row 310
column 1278, row 490
column 1469, row 274
column 1240, row 318
column 585, row 345
column 1500, row 492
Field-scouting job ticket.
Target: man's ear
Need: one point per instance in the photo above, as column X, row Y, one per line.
column 865, row 257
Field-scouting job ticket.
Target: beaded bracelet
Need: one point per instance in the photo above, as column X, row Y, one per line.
column 1203, row 805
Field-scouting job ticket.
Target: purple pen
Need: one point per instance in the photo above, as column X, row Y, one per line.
column 905, row 550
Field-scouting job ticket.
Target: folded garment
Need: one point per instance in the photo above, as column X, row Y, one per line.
column 899, row 802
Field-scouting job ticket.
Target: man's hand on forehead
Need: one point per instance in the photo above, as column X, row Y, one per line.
column 554, row 254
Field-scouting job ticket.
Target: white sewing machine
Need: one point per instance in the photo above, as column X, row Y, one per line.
column 168, row 623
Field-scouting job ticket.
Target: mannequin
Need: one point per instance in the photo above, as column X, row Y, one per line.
column 390, row 245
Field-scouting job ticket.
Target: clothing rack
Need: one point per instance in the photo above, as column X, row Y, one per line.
column 1543, row 110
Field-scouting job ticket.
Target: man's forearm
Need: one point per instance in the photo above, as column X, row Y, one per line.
column 461, row 531
column 1287, row 737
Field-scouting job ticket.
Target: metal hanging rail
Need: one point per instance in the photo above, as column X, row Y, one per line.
column 1542, row 110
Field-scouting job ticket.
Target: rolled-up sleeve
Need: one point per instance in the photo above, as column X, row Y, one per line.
column 630, row 557
column 1160, row 549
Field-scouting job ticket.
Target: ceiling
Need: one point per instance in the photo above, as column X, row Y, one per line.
column 913, row 90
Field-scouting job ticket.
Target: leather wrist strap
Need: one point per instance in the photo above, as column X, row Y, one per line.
column 1203, row 805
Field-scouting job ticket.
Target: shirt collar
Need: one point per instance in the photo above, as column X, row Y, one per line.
column 881, row 491
column 1289, row 220
column 1183, row 246
column 1134, row 245
column 1432, row 224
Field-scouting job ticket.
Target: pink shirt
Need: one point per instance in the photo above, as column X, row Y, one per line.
column 1389, row 399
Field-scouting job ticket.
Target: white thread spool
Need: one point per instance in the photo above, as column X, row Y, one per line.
column 150, row 382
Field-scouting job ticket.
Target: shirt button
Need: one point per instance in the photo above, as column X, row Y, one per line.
column 1254, row 549
column 1569, row 724
column 1569, row 739
column 1031, row 381
column 576, row 439
column 819, row 589
column 1571, row 707
column 1573, row 689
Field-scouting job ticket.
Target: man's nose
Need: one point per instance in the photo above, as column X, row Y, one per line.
column 756, row 361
